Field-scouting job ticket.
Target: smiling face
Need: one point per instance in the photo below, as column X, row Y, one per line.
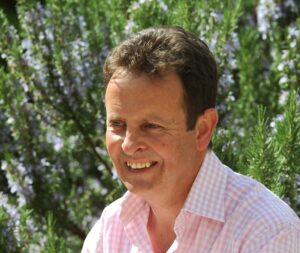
column 147, row 137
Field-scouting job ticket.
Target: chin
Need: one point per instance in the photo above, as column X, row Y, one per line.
column 139, row 188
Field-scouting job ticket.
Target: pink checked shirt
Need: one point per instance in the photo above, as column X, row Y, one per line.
column 225, row 212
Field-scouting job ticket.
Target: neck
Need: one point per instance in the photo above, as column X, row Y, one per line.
column 166, row 212
column 160, row 228
column 166, row 203
column 165, row 206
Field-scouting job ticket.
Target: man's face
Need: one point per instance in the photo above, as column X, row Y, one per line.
column 146, row 133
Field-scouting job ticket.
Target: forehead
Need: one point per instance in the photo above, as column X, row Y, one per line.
column 125, row 82
column 129, row 92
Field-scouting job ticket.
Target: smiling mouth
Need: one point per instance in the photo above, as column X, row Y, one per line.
column 139, row 166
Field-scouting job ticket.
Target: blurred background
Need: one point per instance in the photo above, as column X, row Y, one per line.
column 55, row 175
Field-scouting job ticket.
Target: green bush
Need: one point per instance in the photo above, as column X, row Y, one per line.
column 56, row 176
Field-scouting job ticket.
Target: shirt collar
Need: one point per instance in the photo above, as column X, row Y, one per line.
column 132, row 205
column 207, row 195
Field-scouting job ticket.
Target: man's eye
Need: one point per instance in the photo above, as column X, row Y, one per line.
column 151, row 126
column 117, row 123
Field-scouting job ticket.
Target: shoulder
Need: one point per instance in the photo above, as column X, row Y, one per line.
column 255, row 200
column 257, row 215
column 113, row 209
column 109, row 218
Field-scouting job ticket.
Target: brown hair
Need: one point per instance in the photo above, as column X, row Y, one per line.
column 158, row 51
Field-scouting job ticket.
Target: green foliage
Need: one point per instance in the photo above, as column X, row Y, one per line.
column 287, row 142
column 6, row 234
column 52, row 152
column 54, row 242
column 272, row 156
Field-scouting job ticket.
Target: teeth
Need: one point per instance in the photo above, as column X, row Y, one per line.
column 138, row 165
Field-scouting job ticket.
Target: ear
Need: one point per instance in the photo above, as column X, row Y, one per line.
column 205, row 125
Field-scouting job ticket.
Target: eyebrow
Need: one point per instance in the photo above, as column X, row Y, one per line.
column 148, row 118
column 159, row 119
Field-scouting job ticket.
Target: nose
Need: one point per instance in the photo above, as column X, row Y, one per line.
column 133, row 143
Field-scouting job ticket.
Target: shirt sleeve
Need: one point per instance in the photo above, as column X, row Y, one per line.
column 94, row 240
column 286, row 240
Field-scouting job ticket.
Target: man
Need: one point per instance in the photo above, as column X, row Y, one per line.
column 160, row 102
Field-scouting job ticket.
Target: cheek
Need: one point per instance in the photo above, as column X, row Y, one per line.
column 180, row 151
column 113, row 142
column 158, row 145
column 166, row 148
